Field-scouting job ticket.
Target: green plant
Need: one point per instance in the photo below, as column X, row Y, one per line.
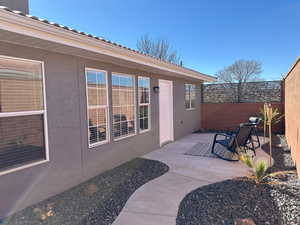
column 270, row 117
column 275, row 116
column 259, row 168
column 247, row 160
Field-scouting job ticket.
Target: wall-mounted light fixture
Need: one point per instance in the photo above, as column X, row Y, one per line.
column 156, row 89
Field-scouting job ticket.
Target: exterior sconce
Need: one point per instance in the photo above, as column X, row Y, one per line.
column 156, row 89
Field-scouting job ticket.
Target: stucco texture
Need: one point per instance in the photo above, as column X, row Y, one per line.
column 292, row 111
column 71, row 160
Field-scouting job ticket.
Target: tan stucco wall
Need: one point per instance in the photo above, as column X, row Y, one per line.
column 71, row 161
column 292, row 112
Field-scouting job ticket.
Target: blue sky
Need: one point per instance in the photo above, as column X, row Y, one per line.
column 208, row 34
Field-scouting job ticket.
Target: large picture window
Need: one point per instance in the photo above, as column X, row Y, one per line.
column 123, row 105
column 97, row 106
column 144, row 103
column 190, row 96
column 22, row 114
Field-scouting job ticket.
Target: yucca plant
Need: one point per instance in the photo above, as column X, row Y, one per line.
column 270, row 117
column 259, row 168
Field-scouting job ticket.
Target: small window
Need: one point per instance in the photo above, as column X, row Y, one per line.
column 22, row 114
column 190, row 96
column 97, row 106
column 123, row 105
column 144, row 103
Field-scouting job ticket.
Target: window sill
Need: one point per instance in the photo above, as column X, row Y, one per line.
column 145, row 131
column 124, row 137
column 98, row 144
column 190, row 109
column 23, row 167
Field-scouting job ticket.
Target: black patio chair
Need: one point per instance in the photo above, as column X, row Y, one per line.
column 232, row 142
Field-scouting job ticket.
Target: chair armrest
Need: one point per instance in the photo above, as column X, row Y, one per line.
column 223, row 134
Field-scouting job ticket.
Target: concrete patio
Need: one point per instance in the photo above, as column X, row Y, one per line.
column 157, row 202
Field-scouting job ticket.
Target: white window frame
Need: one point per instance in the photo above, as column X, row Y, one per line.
column 97, row 107
column 190, row 98
column 27, row 113
column 145, row 104
column 134, row 102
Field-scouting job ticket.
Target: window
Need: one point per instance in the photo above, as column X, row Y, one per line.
column 22, row 114
column 97, row 106
column 123, row 105
column 190, row 96
column 144, row 103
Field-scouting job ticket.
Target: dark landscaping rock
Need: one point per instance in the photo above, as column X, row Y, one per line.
column 275, row 202
column 95, row 202
column 244, row 222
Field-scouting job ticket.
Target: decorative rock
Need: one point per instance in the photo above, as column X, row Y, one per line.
column 244, row 222
column 97, row 201
column 91, row 189
column 274, row 202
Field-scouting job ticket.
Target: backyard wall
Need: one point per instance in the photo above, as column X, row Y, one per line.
column 292, row 111
column 228, row 116
column 264, row 91
column 71, row 160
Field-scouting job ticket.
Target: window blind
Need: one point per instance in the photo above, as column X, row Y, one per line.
column 22, row 115
column 144, row 103
column 97, row 106
column 123, row 104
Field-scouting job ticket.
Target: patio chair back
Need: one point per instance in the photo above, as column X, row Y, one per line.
column 242, row 136
column 254, row 120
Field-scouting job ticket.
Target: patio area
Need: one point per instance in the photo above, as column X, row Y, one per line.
column 171, row 187
column 157, row 202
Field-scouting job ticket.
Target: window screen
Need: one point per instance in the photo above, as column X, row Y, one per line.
column 144, row 103
column 22, row 115
column 97, row 106
column 190, row 96
column 123, row 104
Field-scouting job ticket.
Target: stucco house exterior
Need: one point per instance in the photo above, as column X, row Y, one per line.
column 292, row 111
column 73, row 105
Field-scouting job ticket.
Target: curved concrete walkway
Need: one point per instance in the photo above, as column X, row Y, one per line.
column 157, row 202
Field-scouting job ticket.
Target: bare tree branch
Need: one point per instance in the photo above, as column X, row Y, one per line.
column 160, row 48
column 238, row 74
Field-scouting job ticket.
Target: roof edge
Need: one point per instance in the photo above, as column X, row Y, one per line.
column 18, row 22
column 293, row 66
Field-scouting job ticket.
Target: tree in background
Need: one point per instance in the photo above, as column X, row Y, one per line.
column 160, row 48
column 238, row 74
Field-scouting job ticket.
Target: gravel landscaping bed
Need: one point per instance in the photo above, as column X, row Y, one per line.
column 281, row 154
column 97, row 201
column 275, row 202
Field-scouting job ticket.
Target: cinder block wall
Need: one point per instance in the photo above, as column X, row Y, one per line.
column 292, row 111
column 264, row 91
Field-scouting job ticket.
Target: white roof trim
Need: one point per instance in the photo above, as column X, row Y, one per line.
column 21, row 24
